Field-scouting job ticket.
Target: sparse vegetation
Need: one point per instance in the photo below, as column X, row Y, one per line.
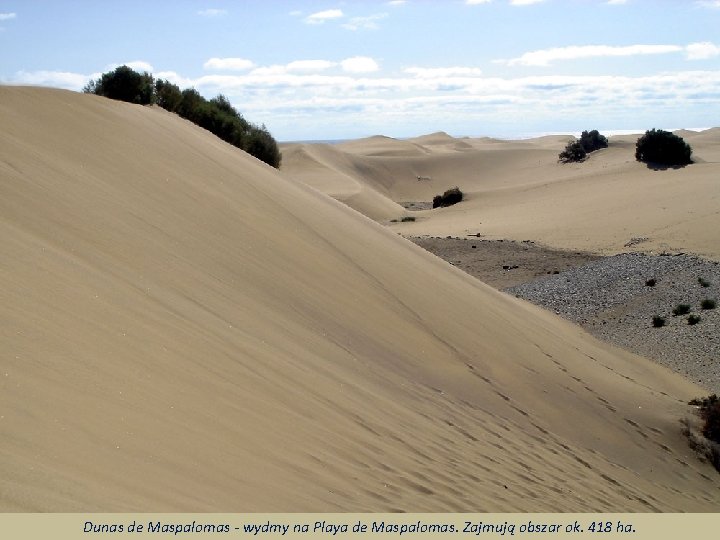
column 651, row 282
column 693, row 319
column 703, row 282
column 450, row 197
column 658, row 147
column 216, row 115
column 681, row 309
column 658, row 321
column 708, row 303
column 573, row 153
column 405, row 219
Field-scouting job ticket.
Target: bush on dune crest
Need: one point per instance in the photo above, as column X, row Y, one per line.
column 577, row 150
column 216, row 115
column 592, row 140
column 658, row 147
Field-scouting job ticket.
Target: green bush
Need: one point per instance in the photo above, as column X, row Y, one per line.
column 217, row 115
column 450, row 197
column 710, row 412
column 592, row 141
column 658, row 321
column 651, row 282
column 574, row 152
column 708, row 303
column 658, row 147
column 681, row 309
column 407, row 218
column 124, row 84
column 693, row 319
column 168, row 95
column 703, row 282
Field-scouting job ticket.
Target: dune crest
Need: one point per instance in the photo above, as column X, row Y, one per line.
column 518, row 190
column 185, row 328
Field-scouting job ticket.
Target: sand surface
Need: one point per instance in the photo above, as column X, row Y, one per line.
column 517, row 190
column 185, row 328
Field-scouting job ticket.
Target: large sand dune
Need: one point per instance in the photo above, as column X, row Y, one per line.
column 518, row 190
column 183, row 328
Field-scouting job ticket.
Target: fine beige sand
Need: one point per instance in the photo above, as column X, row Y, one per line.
column 185, row 328
column 517, row 190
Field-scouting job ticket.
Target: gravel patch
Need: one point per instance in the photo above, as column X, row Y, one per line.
column 611, row 298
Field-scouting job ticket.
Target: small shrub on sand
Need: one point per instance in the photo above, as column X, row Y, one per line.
column 651, row 282
column 708, row 303
column 658, row 321
column 703, row 282
column 405, row 219
column 450, row 197
column 573, row 153
column 681, row 309
column 707, row 442
column 694, row 319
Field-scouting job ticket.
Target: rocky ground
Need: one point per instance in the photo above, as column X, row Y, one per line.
column 611, row 297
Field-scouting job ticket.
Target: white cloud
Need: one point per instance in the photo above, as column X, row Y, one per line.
column 702, row 51
column 268, row 70
column 309, row 65
column 359, row 64
column 428, row 73
column 715, row 4
column 7, row 16
column 364, row 23
column 140, row 65
column 323, row 16
column 137, row 65
column 350, row 100
column 476, row 2
column 212, row 12
column 55, row 79
column 616, row 2
column 525, row 2
column 234, row 64
column 545, row 57
column 397, row 2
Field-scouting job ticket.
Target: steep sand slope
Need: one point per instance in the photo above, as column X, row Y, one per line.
column 339, row 175
column 518, row 190
column 185, row 329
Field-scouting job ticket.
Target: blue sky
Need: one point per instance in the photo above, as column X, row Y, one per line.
column 345, row 69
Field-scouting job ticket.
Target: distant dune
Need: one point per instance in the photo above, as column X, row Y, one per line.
column 518, row 190
column 185, row 328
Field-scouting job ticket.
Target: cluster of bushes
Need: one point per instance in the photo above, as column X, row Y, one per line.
column 656, row 147
column 578, row 150
column 216, row 115
column 684, row 309
column 450, row 197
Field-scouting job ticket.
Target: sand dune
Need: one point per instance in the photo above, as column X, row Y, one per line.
column 518, row 190
column 184, row 328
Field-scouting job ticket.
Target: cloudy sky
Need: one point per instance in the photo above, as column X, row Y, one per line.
column 343, row 69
